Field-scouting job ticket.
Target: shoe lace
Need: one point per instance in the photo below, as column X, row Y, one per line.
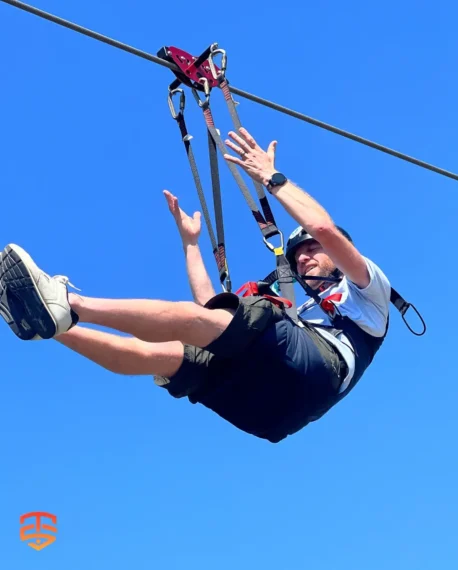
column 66, row 281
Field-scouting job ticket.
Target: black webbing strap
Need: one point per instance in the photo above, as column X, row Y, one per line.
column 220, row 254
column 286, row 283
column 219, row 250
column 220, row 77
column 224, row 85
column 402, row 306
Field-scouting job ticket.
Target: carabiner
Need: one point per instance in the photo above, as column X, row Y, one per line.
column 207, row 90
column 223, row 67
column 173, row 92
column 276, row 250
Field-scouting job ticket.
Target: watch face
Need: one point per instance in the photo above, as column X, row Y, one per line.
column 278, row 179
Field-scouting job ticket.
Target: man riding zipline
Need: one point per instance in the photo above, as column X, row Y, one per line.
column 242, row 357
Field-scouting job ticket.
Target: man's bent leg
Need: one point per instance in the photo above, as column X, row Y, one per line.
column 206, row 369
column 124, row 355
column 154, row 321
column 44, row 304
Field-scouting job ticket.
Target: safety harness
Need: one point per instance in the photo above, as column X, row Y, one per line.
column 202, row 75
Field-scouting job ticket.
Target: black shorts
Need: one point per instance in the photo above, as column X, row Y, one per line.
column 264, row 374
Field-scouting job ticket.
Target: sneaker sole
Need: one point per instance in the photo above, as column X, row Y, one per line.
column 16, row 279
column 13, row 315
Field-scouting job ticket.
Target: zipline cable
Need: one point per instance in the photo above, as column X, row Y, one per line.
column 90, row 33
column 235, row 90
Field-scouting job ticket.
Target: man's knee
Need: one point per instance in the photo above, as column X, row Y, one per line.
column 201, row 326
column 194, row 312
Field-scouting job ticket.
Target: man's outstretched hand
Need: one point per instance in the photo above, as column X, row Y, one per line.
column 257, row 163
column 188, row 227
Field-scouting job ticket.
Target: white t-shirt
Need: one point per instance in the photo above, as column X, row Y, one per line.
column 368, row 308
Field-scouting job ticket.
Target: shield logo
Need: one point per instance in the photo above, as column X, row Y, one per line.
column 38, row 538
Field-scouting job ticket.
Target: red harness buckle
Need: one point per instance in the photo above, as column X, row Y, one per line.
column 328, row 305
column 250, row 288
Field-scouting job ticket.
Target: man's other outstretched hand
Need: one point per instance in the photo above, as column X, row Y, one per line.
column 256, row 162
column 189, row 227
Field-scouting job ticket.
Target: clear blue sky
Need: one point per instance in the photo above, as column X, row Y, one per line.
column 137, row 479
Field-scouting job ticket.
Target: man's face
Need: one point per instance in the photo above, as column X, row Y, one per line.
column 311, row 260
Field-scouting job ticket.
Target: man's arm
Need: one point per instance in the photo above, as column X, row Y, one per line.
column 259, row 164
column 199, row 279
column 189, row 228
column 316, row 220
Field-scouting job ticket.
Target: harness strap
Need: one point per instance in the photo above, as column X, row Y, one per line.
column 332, row 311
column 219, row 249
column 224, row 85
column 282, row 264
column 221, row 259
column 403, row 306
column 267, row 227
column 286, row 282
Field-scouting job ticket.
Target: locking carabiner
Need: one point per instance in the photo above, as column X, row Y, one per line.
column 207, row 90
column 173, row 92
column 277, row 250
column 222, row 72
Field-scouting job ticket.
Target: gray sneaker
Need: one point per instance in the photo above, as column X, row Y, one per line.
column 33, row 304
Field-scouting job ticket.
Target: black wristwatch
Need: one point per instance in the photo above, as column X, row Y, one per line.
column 278, row 179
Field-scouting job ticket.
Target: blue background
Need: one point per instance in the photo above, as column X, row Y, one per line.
column 137, row 479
